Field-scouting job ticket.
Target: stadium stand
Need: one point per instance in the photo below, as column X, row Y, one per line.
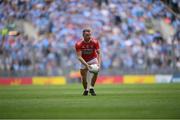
column 130, row 40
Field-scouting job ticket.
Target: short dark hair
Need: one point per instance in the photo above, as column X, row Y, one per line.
column 86, row 30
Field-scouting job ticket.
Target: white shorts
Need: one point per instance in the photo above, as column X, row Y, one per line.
column 93, row 61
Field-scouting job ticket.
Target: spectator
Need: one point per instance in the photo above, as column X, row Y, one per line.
column 118, row 25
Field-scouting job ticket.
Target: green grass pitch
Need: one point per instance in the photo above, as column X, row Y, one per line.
column 112, row 101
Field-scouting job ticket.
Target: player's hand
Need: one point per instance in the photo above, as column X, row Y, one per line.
column 99, row 65
column 88, row 67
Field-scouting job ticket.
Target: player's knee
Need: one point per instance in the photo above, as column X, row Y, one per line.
column 83, row 72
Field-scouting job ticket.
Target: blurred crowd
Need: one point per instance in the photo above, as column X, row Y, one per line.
column 123, row 27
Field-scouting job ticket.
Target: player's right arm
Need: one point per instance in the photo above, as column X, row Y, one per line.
column 79, row 55
column 81, row 59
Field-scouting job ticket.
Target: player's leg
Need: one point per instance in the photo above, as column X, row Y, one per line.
column 84, row 80
column 94, row 78
column 88, row 79
column 93, row 81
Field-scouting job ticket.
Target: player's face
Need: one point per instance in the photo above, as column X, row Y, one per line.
column 87, row 35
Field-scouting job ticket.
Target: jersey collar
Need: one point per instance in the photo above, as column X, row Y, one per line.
column 88, row 41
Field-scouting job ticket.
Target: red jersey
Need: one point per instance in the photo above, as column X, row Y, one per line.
column 88, row 49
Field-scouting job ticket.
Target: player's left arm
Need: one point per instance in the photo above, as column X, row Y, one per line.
column 98, row 51
column 99, row 57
